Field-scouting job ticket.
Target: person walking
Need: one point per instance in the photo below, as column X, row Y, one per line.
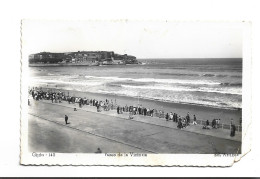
column 66, row 119
column 194, row 120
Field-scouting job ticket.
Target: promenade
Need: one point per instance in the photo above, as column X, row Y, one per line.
column 221, row 133
column 112, row 132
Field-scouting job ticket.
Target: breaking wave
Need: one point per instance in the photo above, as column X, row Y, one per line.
column 156, row 80
column 179, row 89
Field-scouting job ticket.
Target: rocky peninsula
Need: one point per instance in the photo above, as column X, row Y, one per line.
column 88, row 58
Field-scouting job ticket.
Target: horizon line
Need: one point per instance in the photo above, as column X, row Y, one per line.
column 194, row 58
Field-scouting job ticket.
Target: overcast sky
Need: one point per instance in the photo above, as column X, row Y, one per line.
column 150, row 39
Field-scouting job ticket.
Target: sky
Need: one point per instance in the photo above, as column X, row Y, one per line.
column 143, row 39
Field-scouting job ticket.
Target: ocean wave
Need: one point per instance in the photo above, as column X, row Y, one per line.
column 112, row 78
column 179, row 89
column 236, row 76
column 51, row 74
column 231, row 84
column 156, row 80
column 214, row 104
column 209, row 75
column 195, row 75
column 214, row 75
column 79, row 83
column 221, row 75
column 178, row 74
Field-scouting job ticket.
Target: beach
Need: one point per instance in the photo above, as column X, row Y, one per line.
column 204, row 82
column 207, row 88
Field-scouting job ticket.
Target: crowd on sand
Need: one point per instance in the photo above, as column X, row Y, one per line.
column 107, row 105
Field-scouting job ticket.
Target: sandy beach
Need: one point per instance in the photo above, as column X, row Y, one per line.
column 201, row 112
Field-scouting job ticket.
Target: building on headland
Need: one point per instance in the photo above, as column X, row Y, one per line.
column 82, row 57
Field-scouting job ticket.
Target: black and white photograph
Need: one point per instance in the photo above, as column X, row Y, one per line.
column 133, row 88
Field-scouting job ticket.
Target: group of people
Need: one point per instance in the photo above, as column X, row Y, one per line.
column 214, row 124
column 39, row 94
column 106, row 105
column 182, row 122
column 136, row 110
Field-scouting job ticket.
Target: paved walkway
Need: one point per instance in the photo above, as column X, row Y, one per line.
column 50, row 136
column 220, row 133
column 113, row 133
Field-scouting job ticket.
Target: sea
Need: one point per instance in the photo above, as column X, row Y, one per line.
column 206, row 82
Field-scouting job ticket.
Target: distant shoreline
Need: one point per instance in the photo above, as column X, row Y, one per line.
column 74, row 64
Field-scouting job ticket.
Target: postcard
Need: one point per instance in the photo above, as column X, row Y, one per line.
column 139, row 93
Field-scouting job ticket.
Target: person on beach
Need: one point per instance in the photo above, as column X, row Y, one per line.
column 33, row 95
column 167, row 117
column 145, row 110
column 98, row 151
column 218, row 123
column 117, row 109
column 213, row 123
column 171, row 116
column 98, row 108
column 79, row 104
column 206, row 126
column 148, row 112
column 207, row 123
column 179, row 126
column 152, row 111
column 130, row 115
column 232, row 130
column 139, row 110
column 28, row 102
column 194, row 120
column 184, row 122
column 188, row 118
column 66, row 119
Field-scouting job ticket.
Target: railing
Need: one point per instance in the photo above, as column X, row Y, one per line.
column 162, row 115
column 199, row 122
column 158, row 114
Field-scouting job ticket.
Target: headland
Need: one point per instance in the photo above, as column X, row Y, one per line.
column 80, row 58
